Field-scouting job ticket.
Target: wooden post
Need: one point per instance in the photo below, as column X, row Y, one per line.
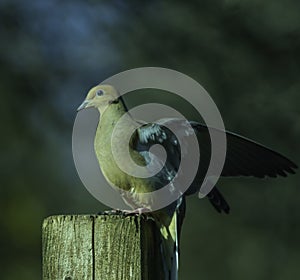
column 100, row 247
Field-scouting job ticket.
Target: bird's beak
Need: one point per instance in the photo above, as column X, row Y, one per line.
column 83, row 105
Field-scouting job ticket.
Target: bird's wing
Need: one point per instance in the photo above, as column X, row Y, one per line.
column 245, row 157
column 155, row 133
column 171, row 134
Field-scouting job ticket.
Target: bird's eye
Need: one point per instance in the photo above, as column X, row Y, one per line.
column 99, row 92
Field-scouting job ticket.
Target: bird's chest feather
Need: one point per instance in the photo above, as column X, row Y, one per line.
column 110, row 160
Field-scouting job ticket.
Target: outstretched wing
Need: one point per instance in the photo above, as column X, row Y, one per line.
column 245, row 157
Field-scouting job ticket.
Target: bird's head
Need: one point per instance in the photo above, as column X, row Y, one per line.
column 100, row 97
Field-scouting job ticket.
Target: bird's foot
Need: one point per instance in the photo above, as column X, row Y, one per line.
column 136, row 212
column 112, row 212
column 141, row 212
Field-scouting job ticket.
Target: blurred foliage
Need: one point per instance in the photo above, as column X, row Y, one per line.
column 245, row 53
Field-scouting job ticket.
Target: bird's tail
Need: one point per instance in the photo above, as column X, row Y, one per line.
column 169, row 246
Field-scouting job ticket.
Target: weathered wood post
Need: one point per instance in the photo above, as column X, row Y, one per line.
column 101, row 247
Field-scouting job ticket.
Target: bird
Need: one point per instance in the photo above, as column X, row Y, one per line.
column 244, row 157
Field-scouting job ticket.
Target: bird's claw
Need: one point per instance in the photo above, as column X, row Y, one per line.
column 112, row 212
column 136, row 212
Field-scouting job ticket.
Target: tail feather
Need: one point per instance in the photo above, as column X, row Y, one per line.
column 175, row 257
column 169, row 248
column 169, row 221
column 218, row 201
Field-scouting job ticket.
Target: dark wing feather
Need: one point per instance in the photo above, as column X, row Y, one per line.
column 159, row 133
column 245, row 157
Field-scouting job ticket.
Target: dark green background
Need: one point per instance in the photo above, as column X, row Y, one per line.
column 245, row 53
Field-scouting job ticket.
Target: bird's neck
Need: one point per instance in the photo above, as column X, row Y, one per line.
column 113, row 128
column 114, row 113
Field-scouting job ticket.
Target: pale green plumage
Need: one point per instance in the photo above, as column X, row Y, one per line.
column 102, row 144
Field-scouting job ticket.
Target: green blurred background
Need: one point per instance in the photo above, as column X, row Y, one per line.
column 245, row 53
